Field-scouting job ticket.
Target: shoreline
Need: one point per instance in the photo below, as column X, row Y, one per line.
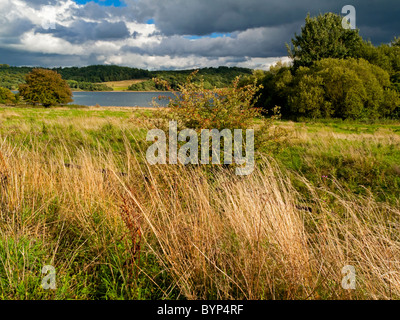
column 126, row 107
column 126, row 91
column 2, row 105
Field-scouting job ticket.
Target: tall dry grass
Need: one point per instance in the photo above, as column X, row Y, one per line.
column 216, row 235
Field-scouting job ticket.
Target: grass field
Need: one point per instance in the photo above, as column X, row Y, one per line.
column 121, row 85
column 77, row 193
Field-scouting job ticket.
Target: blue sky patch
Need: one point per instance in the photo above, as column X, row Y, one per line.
column 106, row 3
column 212, row 35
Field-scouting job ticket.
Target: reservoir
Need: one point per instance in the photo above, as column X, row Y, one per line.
column 120, row 99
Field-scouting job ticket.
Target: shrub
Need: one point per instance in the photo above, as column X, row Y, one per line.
column 199, row 108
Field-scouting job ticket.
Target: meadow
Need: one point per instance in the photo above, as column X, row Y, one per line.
column 122, row 85
column 77, row 193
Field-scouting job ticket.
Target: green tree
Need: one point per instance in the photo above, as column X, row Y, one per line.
column 45, row 87
column 6, row 96
column 343, row 88
column 386, row 56
column 276, row 85
column 396, row 42
column 310, row 97
column 324, row 37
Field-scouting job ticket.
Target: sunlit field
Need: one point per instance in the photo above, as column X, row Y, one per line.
column 76, row 192
column 121, row 85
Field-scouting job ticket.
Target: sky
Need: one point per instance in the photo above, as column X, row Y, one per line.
column 171, row 34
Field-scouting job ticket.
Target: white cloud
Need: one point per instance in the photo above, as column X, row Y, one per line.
column 155, row 62
column 60, row 12
column 46, row 43
column 263, row 63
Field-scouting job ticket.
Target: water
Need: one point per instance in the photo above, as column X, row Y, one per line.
column 120, row 99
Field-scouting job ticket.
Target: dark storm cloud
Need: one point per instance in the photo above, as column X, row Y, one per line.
column 258, row 42
column 81, row 31
column 183, row 17
column 208, row 16
column 257, row 28
column 11, row 29
column 111, row 31
column 19, row 58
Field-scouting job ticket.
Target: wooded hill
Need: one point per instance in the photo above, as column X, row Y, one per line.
column 87, row 78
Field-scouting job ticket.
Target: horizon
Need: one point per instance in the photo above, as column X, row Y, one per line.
column 115, row 65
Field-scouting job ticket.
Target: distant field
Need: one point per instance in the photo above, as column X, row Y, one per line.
column 122, row 85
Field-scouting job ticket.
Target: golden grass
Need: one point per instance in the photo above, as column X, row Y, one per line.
column 122, row 85
column 217, row 235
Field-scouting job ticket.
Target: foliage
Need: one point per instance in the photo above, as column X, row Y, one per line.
column 395, row 79
column 340, row 88
column 196, row 107
column 6, row 96
column 45, row 87
column 99, row 73
column 335, row 74
column 89, row 78
column 220, row 77
column 348, row 88
column 11, row 77
column 323, row 37
column 276, row 84
column 386, row 56
column 148, row 85
column 309, row 97
column 88, row 86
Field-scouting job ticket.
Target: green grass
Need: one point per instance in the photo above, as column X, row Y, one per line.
column 72, row 217
column 358, row 161
column 365, row 158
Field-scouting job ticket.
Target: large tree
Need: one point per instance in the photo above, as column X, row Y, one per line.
column 45, row 87
column 324, row 37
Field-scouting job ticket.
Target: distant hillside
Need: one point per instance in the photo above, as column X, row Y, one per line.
column 82, row 77
column 11, row 77
column 99, row 73
column 213, row 77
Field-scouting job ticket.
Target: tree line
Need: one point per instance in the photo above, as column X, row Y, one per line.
column 88, row 86
column 101, row 73
column 79, row 77
column 90, row 78
column 220, row 77
column 12, row 77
